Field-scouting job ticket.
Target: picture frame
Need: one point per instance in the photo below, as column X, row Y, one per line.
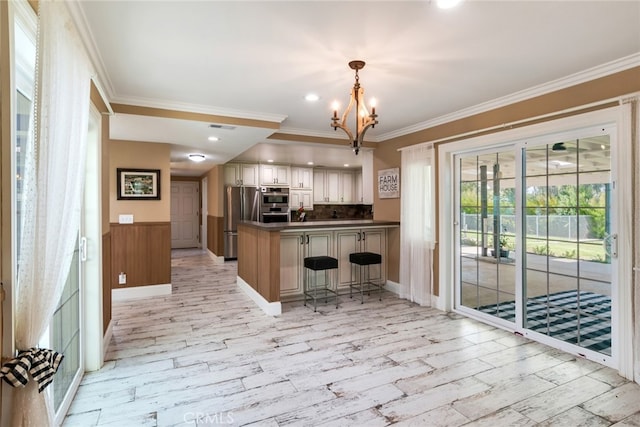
column 138, row 184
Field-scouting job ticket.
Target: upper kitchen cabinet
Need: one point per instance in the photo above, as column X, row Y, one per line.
column 333, row 187
column 241, row 174
column 274, row 175
column 302, row 178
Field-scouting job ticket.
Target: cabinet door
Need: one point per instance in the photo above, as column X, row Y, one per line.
column 375, row 240
column 332, row 190
column 250, row 175
column 267, row 175
column 319, row 187
column 347, row 242
column 291, row 264
column 295, row 199
column 319, row 243
column 282, row 175
column 305, row 176
column 232, row 174
column 346, row 187
column 358, row 188
column 307, row 199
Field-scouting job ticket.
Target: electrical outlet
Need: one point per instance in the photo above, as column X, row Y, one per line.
column 122, row 279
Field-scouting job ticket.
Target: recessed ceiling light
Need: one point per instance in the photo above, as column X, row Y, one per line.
column 213, row 138
column 312, row 97
column 447, row 4
column 346, row 165
column 196, row 157
column 270, row 161
column 309, row 163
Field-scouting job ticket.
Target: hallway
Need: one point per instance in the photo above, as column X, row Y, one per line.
column 206, row 355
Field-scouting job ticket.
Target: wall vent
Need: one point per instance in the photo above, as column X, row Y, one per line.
column 217, row 126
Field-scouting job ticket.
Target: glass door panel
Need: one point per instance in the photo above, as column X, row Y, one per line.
column 487, row 207
column 65, row 331
column 567, row 273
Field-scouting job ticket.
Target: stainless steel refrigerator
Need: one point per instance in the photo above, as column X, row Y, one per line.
column 240, row 203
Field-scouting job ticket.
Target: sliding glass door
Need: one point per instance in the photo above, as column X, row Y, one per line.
column 535, row 241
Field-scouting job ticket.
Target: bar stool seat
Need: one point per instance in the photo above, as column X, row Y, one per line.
column 315, row 264
column 359, row 261
column 320, row 262
column 365, row 258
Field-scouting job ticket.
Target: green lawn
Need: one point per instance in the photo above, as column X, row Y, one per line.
column 591, row 250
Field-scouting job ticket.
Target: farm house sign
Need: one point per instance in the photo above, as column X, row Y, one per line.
column 389, row 183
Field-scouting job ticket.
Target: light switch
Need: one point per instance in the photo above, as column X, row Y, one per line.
column 125, row 219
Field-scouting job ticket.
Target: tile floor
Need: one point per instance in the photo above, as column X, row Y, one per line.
column 206, row 355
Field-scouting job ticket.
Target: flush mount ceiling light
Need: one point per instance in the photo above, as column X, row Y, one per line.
column 196, row 157
column 312, row 97
column 213, row 138
column 363, row 119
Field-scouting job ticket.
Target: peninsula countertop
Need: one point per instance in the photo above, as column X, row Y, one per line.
column 295, row 226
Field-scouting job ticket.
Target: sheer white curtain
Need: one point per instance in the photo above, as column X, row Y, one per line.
column 54, row 179
column 417, row 224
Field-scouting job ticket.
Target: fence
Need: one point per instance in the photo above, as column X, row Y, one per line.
column 569, row 227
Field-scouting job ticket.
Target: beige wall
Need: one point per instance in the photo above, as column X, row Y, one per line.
column 143, row 155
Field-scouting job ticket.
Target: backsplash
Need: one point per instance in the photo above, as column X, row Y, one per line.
column 321, row 212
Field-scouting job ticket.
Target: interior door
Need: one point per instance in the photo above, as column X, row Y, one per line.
column 536, row 241
column 185, row 221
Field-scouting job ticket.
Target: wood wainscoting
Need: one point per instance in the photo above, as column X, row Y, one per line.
column 106, row 281
column 215, row 234
column 259, row 260
column 142, row 251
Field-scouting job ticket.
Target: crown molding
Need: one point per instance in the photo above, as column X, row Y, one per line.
column 99, row 69
column 584, row 76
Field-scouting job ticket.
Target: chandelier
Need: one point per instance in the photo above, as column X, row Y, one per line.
column 363, row 119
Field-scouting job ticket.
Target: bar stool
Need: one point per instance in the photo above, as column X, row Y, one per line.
column 313, row 265
column 360, row 260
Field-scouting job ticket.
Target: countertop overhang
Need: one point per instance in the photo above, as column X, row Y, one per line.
column 311, row 225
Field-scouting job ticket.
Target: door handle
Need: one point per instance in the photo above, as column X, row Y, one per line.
column 359, row 237
column 363, row 236
column 83, row 249
column 610, row 245
column 307, row 239
column 302, row 240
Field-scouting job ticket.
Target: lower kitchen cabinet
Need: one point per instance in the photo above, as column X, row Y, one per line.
column 294, row 248
column 360, row 240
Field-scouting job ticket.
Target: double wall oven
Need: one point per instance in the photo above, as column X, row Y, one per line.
column 274, row 204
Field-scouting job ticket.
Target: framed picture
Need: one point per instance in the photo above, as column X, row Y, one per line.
column 138, row 184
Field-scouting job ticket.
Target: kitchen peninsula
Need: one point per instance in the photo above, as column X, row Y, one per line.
column 270, row 255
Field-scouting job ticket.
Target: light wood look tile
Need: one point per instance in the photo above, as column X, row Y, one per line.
column 206, row 355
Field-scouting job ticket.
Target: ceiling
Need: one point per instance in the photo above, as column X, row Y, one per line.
column 256, row 60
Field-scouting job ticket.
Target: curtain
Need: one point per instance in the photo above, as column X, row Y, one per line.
column 53, row 189
column 417, row 224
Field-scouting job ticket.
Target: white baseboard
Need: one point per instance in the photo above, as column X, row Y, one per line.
column 216, row 258
column 140, row 292
column 270, row 308
column 107, row 339
column 392, row 287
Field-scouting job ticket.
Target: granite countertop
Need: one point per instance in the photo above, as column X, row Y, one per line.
column 310, row 225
